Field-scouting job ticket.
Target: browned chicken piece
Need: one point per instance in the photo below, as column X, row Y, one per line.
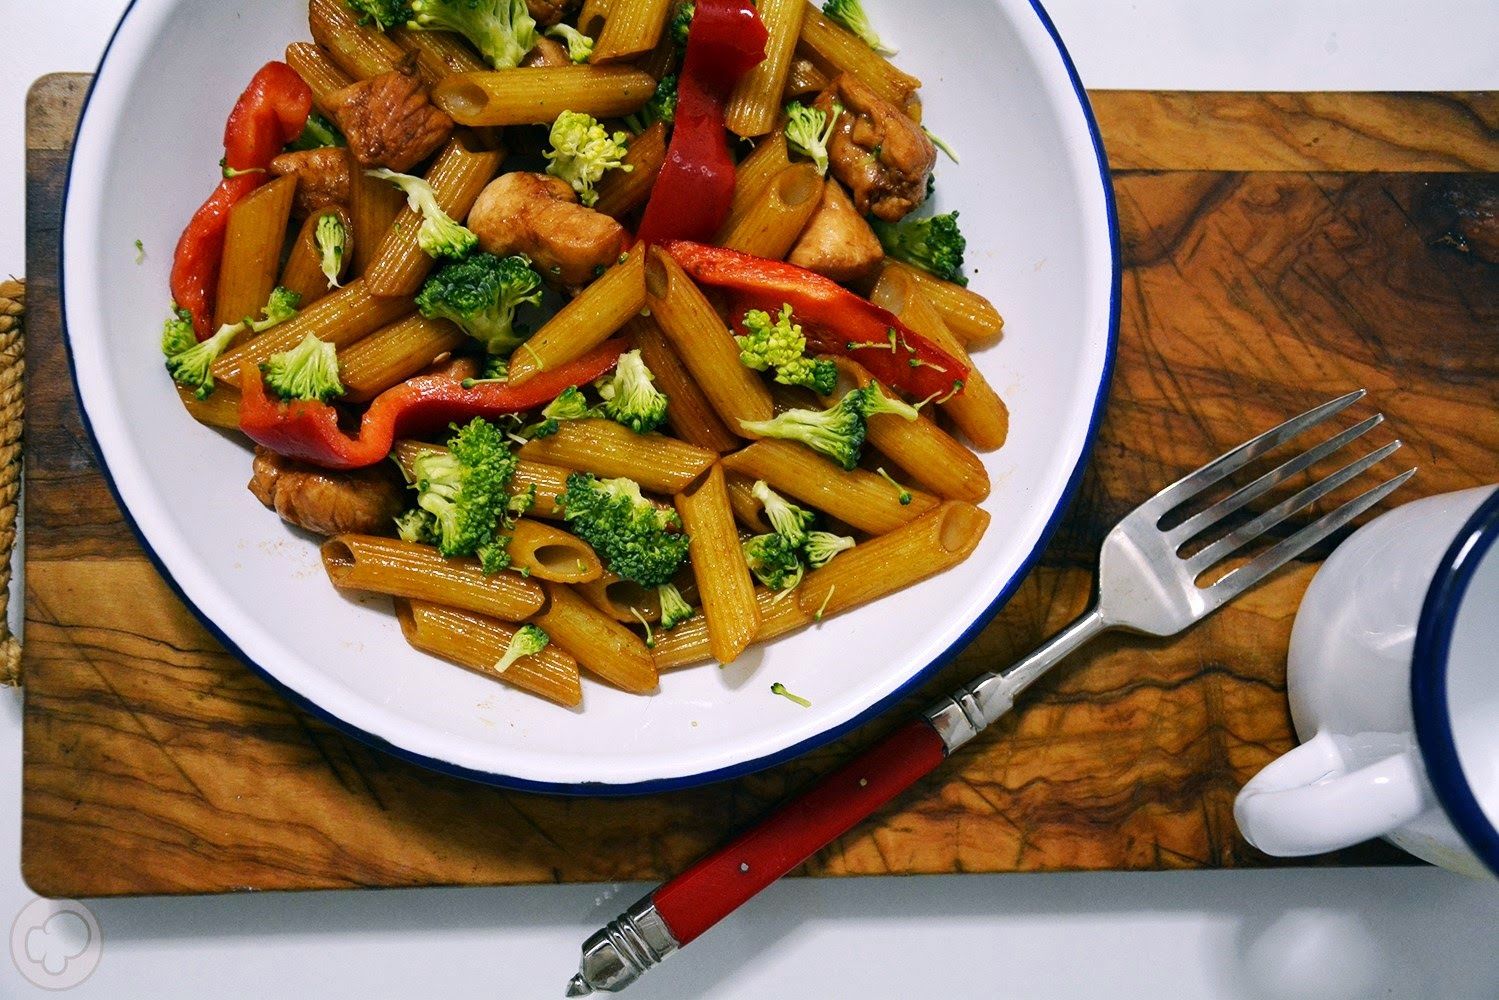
column 539, row 216
column 389, row 120
column 882, row 156
column 548, row 12
column 322, row 177
column 547, row 52
column 325, row 502
column 837, row 242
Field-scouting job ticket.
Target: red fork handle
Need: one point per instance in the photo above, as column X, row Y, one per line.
column 718, row 884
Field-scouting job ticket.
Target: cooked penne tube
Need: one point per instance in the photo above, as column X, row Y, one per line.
column 936, row 541
column 438, row 53
column 971, row 317
column 536, row 96
column 404, row 569
column 303, row 272
column 478, row 643
column 658, row 463
column 632, row 28
column 747, row 510
column 756, row 101
column 340, row 318
column 373, row 206
column 861, row 499
column 319, row 72
column 457, row 176
column 723, row 577
column 621, row 191
column 978, row 411
column 691, row 642
column 804, row 78
column 586, row 322
column 689, row 413
column 360, row 50
column 591, row 16
column 835, row 50
column 772, row 221
column 703, row 343
column 600, row 644
column 220, row 409
column 549, row 553
column 929, row 455
column 549, row 481
column 252, row 250
column 768, row 159
column 391, row 355
column 623, row 600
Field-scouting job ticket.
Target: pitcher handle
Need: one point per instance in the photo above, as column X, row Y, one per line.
column 1309, row 802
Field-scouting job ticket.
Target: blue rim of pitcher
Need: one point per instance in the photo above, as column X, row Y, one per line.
column 1429, row 688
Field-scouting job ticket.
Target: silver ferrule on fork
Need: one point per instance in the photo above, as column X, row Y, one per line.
column 623, row 950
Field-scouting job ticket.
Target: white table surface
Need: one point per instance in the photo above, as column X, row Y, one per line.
column 1321, row 935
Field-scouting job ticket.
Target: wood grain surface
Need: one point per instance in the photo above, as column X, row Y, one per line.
column 155, row 763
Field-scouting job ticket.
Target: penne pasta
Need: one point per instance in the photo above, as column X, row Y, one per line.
column 392, row 354
column 373, row 206
column 360, row 50
column 586, row 322
column 405, row 569
column 621, row 191
column 457, row 176
column 340, row 318
column 548, row 481
column 747, row 510
column 632, row 28
column 478, row 643
column 592, row 15
column 863, row 500
column 835, row 50
column 252, row 250
column 623, row 600
column 929, row 455
column 938, row 540
column 689, row 413
column 756, row 101
column 438, row 53
column 303, row 272
column 548, row 553
column 536, row 96
column 804, row 79
column 319, row 72
column 768, row 159
column 691, row 642
column 723, row 578
column 970, row 316
column 659, row 464
column 220, row 409
column 600, row 644
column 977, row 411
column 704, row 344
column 773, row 219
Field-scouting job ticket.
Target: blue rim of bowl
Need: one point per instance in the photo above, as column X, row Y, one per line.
column 649, row 786
column 1429, row 689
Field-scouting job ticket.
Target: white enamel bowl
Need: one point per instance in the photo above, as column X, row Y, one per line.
column 1036, row 208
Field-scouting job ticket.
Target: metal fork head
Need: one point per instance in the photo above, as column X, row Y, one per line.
column 1144, row 581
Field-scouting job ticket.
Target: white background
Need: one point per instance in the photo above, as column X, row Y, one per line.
column 1328, row 935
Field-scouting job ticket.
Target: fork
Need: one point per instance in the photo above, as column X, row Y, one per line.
column 1145, row 585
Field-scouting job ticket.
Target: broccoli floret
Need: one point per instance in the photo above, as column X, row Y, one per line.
column 177, row 334
column 579, row 45
column 779, row 344
column 527, row 641
column 941, row 144
column 872, row 401
column 808, row 131
column 822, row 546
column 418, row 526
column 674, row 607
column 190, row 362
column 331, row 238
column 681, row 22
column 280, row 307
column 583, row 151
column 307, row 371
column 636, row 539
column 466, row 490
column 774, row 561
column 933, row 244
column 902, row 494
column 318, row 133
column 780, row 689
column 383, row 14
column 851, row 14
column 630, row 397
column 570, row 405
column 788, row 520
column 481, row 293
column 439, row 235
column 837, row 432
column 503, row 30
column 662, row 107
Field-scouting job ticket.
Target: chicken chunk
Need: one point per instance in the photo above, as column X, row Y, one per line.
column 389, row 120
column 837, row 242
column 328, row 503
column 322, row 177
column 539, row 216
column 882, row 156
column 547, row 52
column 548, row 12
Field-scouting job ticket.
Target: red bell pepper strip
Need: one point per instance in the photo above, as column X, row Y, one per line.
column 270, row 113
column 308, row 429
column 692, row 193
column 833, row 319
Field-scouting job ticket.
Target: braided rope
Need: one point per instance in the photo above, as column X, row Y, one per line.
column 12, row 419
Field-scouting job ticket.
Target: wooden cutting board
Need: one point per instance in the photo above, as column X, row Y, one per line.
column 1278, row 249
